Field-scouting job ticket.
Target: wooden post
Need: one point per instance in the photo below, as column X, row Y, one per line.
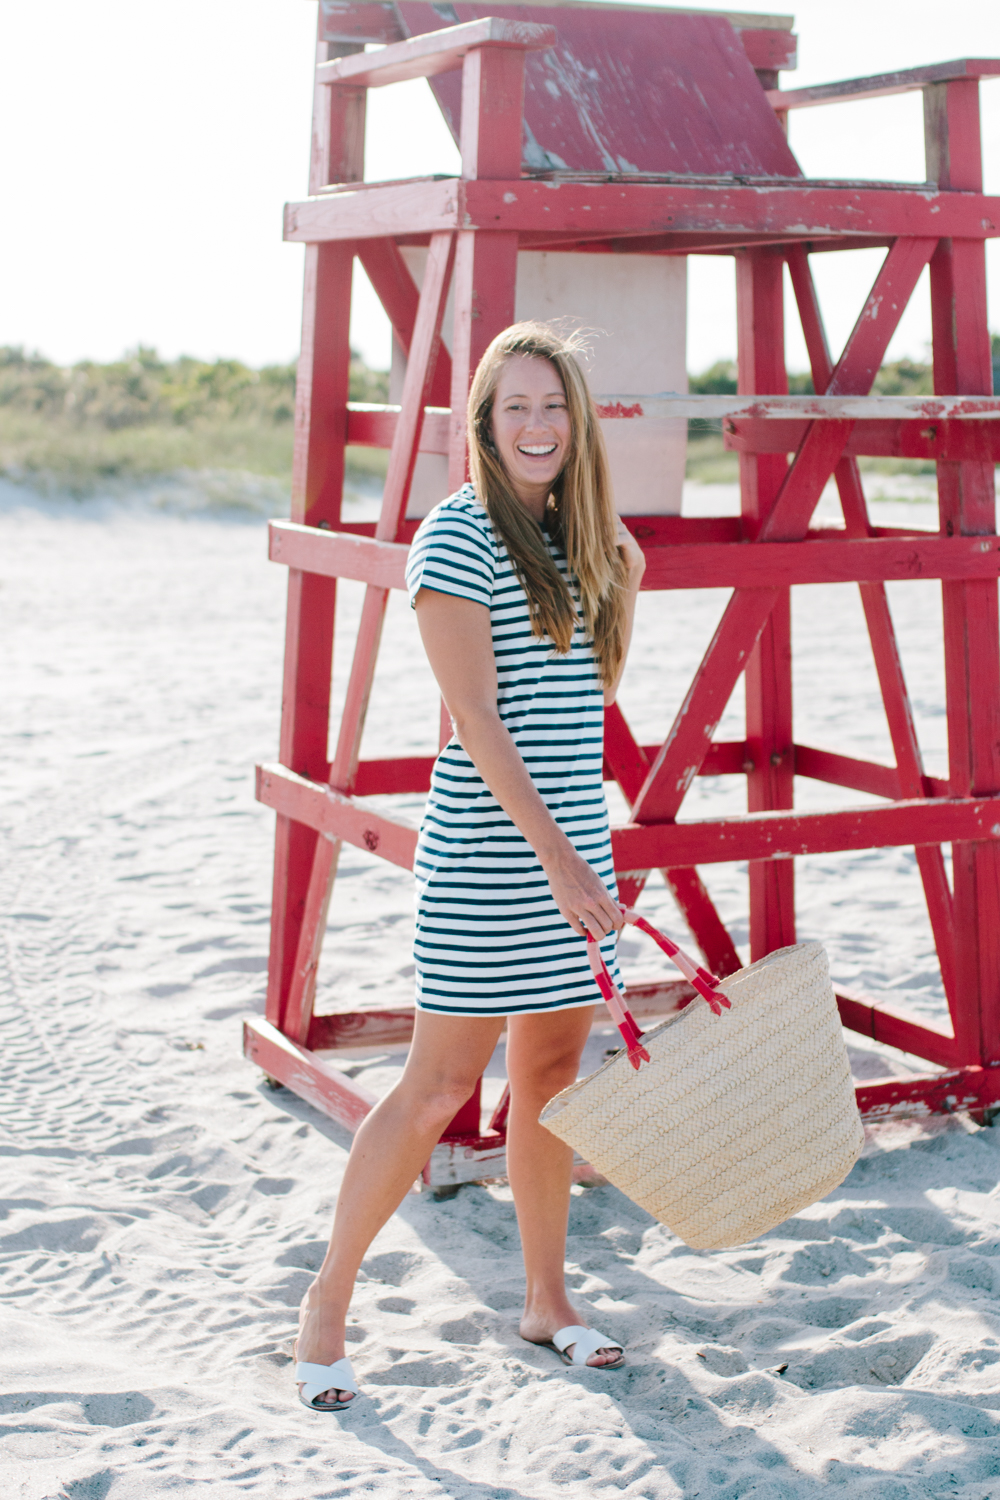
column 771, row 772
column 967, row 505
column 485, row 261
column 317, row 489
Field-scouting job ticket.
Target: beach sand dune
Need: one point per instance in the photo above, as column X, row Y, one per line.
column 163, row 1209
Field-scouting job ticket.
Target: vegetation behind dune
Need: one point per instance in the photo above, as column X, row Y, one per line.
column 84, row 427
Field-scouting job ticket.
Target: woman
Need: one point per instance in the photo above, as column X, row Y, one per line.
column 524, row 585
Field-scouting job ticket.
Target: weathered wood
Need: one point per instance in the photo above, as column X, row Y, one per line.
column 620, row 209
column 968, row 1088
column 895, row 1029
column 312, row 1078
column 339, row 1031
column 774, row 564
column 317, row 483
column 337, row 554
column 400, row 298
column 402, row 458
column 435, row 52
column 880, row 85
column 329, row 812
column 760, row 327
column 888, row 663
column 964, row 440
column 786, row 835
column 982, row 410
column 370, row 426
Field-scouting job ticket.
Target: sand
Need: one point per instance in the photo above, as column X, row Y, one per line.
column 162, row 1208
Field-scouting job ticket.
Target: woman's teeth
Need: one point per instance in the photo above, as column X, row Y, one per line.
column 536, row 450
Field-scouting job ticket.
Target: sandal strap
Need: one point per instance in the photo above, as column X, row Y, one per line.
column 586, row 1340
column 315, row 1379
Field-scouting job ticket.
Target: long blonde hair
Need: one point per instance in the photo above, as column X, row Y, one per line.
column 583, row 519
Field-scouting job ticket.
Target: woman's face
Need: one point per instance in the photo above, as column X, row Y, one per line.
column 531, row 428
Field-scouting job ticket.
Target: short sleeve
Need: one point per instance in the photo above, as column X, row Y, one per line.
column 452, row 553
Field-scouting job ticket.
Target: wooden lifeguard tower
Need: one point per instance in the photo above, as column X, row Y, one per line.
column 647, row 135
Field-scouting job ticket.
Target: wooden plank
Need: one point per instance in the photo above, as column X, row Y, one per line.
column 962, row 365
column 654, row 531
column 896, row 1029
column 492, row 112
column 880, row 85
column 952, row 135
column 338, row 554
column 772, row 564
column 416, row 389
column 760, row 323
column 359, row 21
column 335, row 815
column 310, row 1077
column 397, row 774
column 824, row 408
column 659, row 91
column 677, row 763
column 620, row 209
column 786, row 835
column 767, row 48
column 965, row 1089
column 965, row 440
column 321, row 393
column 845, row 770
column 370, row 426
column 435, row 52
column 393, row 1029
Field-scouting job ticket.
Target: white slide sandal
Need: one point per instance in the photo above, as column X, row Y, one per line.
column 313, row 1380
column 585, row 1342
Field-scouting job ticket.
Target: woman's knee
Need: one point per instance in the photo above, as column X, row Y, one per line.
column 547, row 1075
column 431, row 1103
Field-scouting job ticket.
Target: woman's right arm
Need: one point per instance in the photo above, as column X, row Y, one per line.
column 458, row 640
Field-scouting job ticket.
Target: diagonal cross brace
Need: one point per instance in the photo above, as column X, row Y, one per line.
column 820, row 450
column 885, row 649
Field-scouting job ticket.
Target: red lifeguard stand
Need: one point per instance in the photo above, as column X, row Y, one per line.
column 593, row 129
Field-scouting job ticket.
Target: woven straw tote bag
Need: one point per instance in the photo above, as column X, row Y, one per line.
column 730, row 1116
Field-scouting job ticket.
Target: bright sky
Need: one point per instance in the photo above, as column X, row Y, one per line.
column 149, row 148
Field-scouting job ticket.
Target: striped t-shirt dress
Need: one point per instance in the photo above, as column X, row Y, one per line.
column 490, row 940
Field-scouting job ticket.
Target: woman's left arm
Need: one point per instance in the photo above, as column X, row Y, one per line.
column 635, row 562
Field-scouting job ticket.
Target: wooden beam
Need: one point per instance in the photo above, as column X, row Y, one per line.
column 338, row 554
column 335, row 815
column 751, row 565
column 907, row 1032
column 618, row 210
column 966, row 1089
column 787, row 835
column 434, row 52
column 371, row 426
column 879, row 85
column 961, row 441
column 846, row 407
column 311, row 1077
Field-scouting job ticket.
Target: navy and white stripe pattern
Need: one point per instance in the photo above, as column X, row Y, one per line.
column 490, row 939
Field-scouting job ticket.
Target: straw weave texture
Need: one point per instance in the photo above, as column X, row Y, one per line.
column 739, row 1120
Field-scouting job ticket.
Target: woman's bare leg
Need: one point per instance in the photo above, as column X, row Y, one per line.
column 543, row 1056
column 447, row 1056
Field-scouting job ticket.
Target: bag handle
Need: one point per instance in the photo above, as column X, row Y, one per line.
column 705, row 983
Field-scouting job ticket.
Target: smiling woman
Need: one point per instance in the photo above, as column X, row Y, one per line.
column 524, row 585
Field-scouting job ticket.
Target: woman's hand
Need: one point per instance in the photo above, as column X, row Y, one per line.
column 630, row 550
column 581, row 895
